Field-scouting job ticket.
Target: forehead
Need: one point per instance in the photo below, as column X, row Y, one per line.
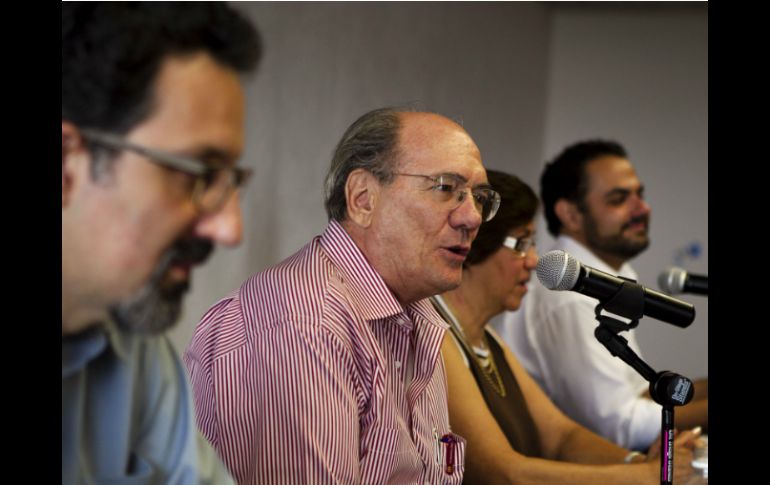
column 196, row 102
column 431, row 144
column 610, row 172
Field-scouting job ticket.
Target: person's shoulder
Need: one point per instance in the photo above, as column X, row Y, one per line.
column 305, row 271
column 541, row 298
column 154, row 348
column 545, row 311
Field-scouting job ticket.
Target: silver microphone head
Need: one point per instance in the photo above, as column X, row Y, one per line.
column 672, row 280
column 557, row 270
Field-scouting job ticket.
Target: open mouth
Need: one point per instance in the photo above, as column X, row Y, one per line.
column 459, row 250
column 179, row 271
column 637, row 224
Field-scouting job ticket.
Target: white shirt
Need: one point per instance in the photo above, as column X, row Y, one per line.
column 552, row 334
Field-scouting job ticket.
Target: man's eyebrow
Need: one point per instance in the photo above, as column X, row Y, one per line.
column 616, row 191
column 482, row 185
column 623, row 191
column 453, row 174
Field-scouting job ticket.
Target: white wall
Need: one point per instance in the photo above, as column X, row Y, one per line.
column 524, row 78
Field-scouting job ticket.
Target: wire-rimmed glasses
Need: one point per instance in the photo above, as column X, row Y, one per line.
column 452, row 187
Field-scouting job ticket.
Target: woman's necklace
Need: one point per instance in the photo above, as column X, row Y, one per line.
column 489, row 371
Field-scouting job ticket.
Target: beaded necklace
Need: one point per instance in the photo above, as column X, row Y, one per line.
column 489, row 371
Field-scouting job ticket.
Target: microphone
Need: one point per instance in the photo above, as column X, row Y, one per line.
column 677, row 280
column 558, row 270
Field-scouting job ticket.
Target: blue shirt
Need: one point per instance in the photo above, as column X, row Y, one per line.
column 127, row 414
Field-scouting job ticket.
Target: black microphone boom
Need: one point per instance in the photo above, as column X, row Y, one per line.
column 677, row 280
column 558, row 270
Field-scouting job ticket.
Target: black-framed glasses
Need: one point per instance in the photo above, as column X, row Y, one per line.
column 519, row 245
column 449, row 187
column 214, row 182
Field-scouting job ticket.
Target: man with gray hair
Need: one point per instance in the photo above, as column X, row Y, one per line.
column 326, row 367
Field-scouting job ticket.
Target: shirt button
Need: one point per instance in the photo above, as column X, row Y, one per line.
column 398, row 364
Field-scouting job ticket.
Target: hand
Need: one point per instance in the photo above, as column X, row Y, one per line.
column 689, row 438
column 654, row 451
column 684, row 443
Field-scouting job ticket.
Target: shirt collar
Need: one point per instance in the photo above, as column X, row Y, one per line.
column 369, row 294
column 77, row 351
column 587, row 257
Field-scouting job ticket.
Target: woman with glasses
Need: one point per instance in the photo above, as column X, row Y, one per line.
column 514, row 433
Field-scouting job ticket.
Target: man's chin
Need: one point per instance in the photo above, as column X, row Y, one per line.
column 635, row 235
column 151, row 312
column 157, row 306
column 451, row 281
column 633, row 248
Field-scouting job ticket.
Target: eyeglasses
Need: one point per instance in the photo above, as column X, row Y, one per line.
column 449, row 187
column 214, row 182
column 520, row 245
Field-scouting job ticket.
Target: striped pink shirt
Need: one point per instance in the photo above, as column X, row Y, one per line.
column 299, row 375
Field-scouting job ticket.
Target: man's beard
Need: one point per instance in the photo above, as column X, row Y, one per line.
column 157, row 305
column 617, row 244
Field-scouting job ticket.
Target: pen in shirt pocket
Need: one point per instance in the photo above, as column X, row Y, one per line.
column 436, row 446
column 450, row 441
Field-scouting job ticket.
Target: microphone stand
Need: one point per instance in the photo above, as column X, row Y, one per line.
column 666, row 388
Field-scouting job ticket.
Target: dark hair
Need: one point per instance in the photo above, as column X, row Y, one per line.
column 518, row 205
column 565, row 176
column 112, row 52
column 369, row 143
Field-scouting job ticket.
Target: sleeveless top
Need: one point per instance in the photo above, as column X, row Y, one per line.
column 511, row 411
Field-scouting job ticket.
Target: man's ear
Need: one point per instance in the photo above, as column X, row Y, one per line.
column 361, row 192
column 569, row 214
column 73, row 156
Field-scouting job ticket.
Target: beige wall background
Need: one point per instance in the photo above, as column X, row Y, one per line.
column 524, row 78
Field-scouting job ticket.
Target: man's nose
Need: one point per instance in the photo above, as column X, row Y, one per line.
column 642, row 207
column 467, row 215
column 224, row 226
